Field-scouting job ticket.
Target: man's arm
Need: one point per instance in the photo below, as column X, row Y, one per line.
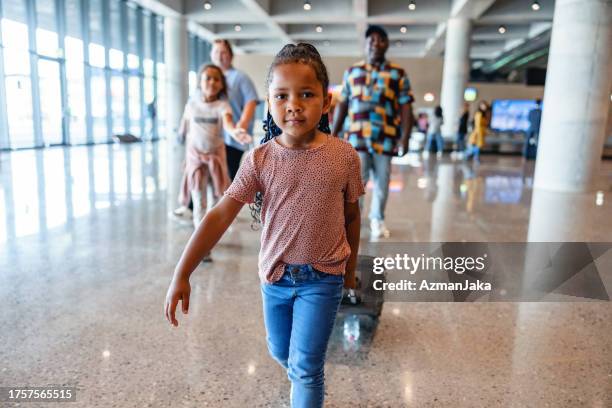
column 339, row 117
column 247, row 114
column 352, row 225
column 407, row 121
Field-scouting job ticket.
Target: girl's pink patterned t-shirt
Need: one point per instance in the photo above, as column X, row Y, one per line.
column 304, row 191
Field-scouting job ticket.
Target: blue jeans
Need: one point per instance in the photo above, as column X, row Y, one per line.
column 439, row 141
column 473, row 150
column 299, row 314
column 460, row 141
column 380, row 165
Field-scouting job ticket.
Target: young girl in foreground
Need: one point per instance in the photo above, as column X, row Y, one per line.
column 205, row 116
column 305, row 186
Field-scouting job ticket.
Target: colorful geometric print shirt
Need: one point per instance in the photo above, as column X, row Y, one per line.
column 375, row 94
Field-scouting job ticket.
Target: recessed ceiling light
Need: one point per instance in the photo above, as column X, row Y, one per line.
column 429, row 97
column 403, row 29
column 502, row 29
column 207, row 5
column 412, row 6
column 237, row 27
column 535, row 6
column 307, row 6
column 319, row 29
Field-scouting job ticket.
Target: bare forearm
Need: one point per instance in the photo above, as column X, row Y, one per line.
column 353, row 229
column 339, row 116
column 205, row 237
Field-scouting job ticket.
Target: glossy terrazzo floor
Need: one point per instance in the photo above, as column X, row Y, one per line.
column 87, row 251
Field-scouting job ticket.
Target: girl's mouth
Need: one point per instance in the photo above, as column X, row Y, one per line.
column 294, row 122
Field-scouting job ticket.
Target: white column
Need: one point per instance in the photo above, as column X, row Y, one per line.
column 456, row 72
column 578, row 84
column 177, row 72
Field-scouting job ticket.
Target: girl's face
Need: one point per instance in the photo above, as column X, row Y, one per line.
column 211, row 83
column 297, row 100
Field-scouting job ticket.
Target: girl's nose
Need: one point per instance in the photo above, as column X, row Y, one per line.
column 292, row 106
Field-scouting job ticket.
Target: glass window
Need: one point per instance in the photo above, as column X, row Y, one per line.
column 134, row 108
column 116, row 36
column 76, row 92
column 50, row 101
column 96, row 38
column 73, row 18
column 15, row 10
column 98, row 105
column 133, row 60
column 15, row 35
column 46, row 30
column 18, row 86
column 19, row 111
column 118, row 104
column 147, row 52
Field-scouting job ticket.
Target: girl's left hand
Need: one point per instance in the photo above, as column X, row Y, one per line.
column 350, row 282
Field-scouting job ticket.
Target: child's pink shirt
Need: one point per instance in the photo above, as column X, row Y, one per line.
column 304, row 191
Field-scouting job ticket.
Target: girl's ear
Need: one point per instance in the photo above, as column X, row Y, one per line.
column 327, row 102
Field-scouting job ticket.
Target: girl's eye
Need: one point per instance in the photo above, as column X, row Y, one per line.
column 307, row 94
column 280, row 96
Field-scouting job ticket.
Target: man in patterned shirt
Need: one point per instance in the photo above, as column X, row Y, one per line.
column 377, row 97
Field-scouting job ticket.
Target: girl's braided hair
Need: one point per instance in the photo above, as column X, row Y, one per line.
column 301, row 53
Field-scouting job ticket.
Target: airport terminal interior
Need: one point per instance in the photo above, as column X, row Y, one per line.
column 92, row 93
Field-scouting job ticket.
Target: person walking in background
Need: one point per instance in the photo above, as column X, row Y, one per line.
column 435, row 132
column 376, row 95
column 304, row 187
column 462, row 130
column 422, row 122
column 477, row 137
column 242, row 97
column 530, row 147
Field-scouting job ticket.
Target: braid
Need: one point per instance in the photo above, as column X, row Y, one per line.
column 302, row 53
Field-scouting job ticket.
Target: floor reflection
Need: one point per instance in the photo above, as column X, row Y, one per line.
column 46, row 189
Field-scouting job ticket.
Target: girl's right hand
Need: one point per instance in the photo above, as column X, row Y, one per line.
column 179, row 289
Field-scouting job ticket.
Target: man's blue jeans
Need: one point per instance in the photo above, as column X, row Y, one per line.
column 380, row 166
column 299, row 314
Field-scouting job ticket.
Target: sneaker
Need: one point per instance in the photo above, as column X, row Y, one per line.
column 182, row 215
column 425, row 154
column 439, row 155
column 379, row 229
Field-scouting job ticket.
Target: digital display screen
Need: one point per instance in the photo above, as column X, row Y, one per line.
column 511, row 115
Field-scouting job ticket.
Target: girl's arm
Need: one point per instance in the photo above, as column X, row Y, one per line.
column 352, row 224
column 208, row 233
column 237, row 133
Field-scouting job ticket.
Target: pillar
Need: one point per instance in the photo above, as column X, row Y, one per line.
column 177, row 72
column 456, row 72
column 578, row 84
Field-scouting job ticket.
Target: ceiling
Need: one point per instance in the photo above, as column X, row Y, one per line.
column 266, row 25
